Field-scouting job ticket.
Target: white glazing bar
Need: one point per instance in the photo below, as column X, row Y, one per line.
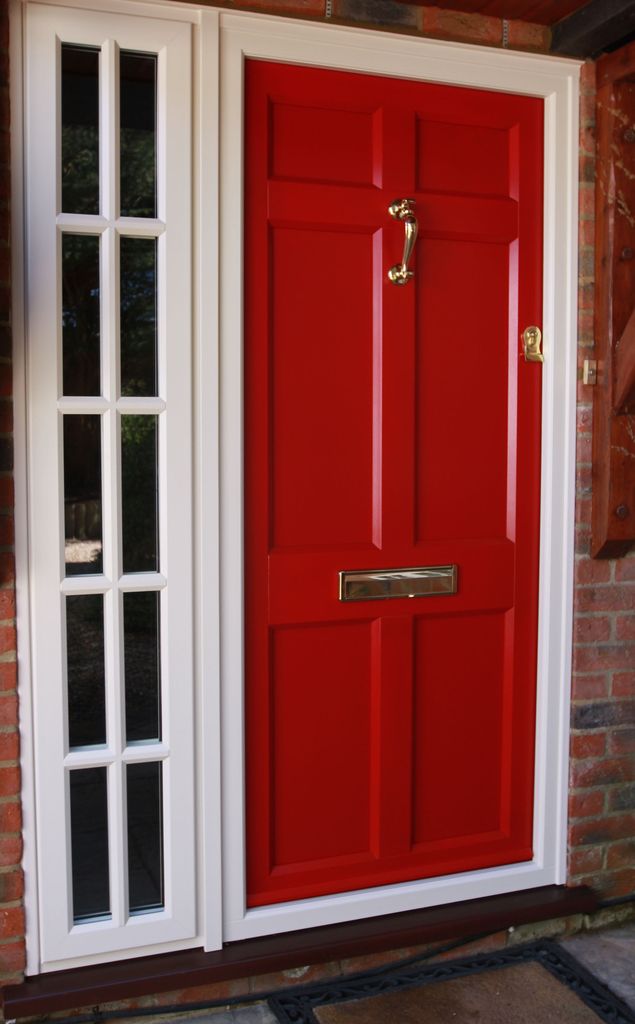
column 139, row 227
column 109, row 129
column 81, row 223
column 145, row 751
column 118, row 833
column 140, row 406
column 109, row 149
column 142, row 581
column 66, row 830
column 83, row 405
column 90, row 757
column 85, row 584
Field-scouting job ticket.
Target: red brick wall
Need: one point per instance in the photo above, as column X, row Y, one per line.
column 602, row 829
column 602, row 798
column 414, row 18
column 12, row 957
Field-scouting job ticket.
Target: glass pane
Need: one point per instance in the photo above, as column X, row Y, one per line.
column 145, row 837
column 86, row 677
column 141, row 630
column 80, row 315
column 89, row 843
column 138, row 316
column 138, row 134
column 82, row 494
column 80, row 129
column 139, row 469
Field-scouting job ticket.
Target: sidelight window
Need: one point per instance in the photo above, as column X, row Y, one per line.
column 110, row 375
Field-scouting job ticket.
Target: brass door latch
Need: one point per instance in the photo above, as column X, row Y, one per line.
column 532, row 345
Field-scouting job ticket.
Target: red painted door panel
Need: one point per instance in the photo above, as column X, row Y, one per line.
column 388, row 426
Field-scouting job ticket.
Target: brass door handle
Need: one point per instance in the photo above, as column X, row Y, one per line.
column 403, row 210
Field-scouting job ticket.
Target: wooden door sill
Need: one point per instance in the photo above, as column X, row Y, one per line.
column 128, row 979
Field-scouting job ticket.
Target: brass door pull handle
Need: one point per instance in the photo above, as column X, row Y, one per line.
column 403, row 210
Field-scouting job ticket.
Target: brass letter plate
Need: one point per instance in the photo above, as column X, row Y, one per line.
column 378, row 584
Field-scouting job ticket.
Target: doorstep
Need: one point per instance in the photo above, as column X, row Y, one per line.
column 130, row 979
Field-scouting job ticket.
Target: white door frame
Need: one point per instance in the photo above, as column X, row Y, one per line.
column 556, row 80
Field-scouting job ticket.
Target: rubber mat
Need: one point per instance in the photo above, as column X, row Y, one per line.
column 534, row 984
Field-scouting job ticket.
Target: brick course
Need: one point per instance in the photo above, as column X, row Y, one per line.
column 12, row 959
column 602, row 770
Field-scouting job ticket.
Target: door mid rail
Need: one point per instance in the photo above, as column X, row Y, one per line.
column 416, row 581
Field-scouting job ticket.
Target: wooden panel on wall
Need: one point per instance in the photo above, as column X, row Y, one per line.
column 613, row 526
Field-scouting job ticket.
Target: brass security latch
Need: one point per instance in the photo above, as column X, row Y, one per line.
column 532, row 341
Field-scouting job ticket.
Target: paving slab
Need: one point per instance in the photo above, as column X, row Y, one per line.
column 610, row 956
column 254, row 1013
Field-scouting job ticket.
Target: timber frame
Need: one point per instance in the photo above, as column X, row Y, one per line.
column 613, row 512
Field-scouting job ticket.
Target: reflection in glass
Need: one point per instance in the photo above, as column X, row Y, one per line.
column 80, row 315
column 82, row 495
column 85, row 667
column 141, row 631
column 138, row 134
column 89, row 843
column 80, row 129
column 139, row 469
column 138, row 316
column 145, row 837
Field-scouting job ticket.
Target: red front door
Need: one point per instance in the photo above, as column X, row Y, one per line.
column 388, row 427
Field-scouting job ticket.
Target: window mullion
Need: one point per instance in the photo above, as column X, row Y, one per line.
column 109, row 135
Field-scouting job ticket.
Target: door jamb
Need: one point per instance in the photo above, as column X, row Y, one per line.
column 556, row 80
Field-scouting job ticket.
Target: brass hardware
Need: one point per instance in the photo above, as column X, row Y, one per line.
column 590, row 371
column 532, row 339
column 404, row 210
column 377, row 584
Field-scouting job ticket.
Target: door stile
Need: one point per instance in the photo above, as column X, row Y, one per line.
column 525, row 138
column 392, row 730
column 258, row 470
column 393, row 644
column 398, row 346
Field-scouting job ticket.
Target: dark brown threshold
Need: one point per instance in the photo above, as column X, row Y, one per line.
column 126, row 979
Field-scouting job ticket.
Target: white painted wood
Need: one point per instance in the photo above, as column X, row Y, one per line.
column 47, row 28
column 167, row 10
column 93, row 224
column 556, row 80
column 86, row 585
column 206, row 500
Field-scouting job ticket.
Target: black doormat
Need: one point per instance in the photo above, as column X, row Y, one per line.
column 519, row 995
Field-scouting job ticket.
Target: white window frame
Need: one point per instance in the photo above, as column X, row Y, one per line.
column 227, row 39
column 186, row 91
